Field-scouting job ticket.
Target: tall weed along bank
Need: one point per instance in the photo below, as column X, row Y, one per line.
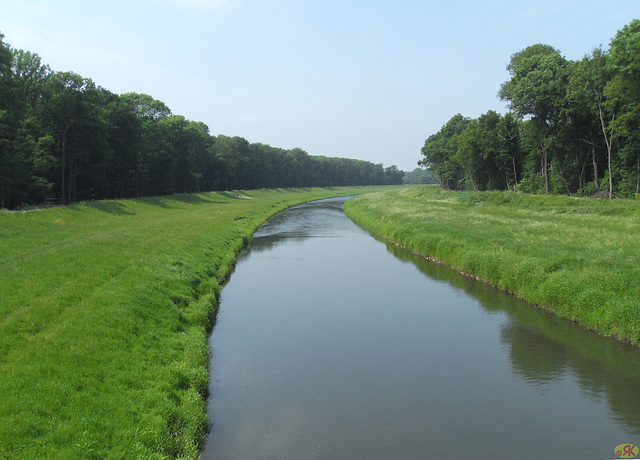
column 577, row 257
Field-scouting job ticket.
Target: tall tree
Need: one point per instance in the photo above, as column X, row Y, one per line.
column 392, row 175
column 146, row 106
column 469, row 155
column 65, row 108
column 537, row 89
column 481, row 152
column 623, row 89
column 234, row 155
column 439, row 152
column 34, row 145
column 151, row 141
column 586, row 95
column 509, row 158
column 123, row 127
column 7, row 126
column 30, row 75
column 199, row 145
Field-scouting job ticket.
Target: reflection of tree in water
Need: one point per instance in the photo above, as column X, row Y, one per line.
column 601, row 368
column 533, row 357
column 544, row 349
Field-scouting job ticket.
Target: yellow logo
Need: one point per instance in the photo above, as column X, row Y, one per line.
column 626, row 450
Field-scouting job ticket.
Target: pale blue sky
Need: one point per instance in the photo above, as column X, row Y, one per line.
column 359, row 79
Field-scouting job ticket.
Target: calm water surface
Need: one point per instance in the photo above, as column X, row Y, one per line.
column 332, row 344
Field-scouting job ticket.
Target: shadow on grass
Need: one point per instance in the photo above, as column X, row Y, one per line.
column 294, row 189
column 116, row 208
column 119, row 208
column 235, row 194
column 168, row 201
column 196, row 198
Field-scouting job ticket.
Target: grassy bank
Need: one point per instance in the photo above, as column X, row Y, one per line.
column 580, row 258
column 104, row 315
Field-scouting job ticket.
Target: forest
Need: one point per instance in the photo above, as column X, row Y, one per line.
column 65, row 139
column 573, row 127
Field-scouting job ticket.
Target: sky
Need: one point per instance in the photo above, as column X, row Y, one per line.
column 357, row 79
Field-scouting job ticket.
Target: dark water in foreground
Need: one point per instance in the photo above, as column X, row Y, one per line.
column 331, row 344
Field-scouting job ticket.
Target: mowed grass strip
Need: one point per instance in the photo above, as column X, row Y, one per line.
column 105, row 310
column 577, row 257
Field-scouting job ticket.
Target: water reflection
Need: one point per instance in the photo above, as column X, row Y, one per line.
column 544, row 349
column 331, row 345
column 295, row 223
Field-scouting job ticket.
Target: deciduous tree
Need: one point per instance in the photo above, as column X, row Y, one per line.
column 536, row 89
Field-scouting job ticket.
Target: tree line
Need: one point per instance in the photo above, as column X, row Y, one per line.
column 420, row 176
column 573, row 127
column 64, row 137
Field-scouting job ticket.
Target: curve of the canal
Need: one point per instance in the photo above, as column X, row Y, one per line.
column 332, row 344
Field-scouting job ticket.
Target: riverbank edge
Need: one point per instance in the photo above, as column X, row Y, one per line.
column 382, row 227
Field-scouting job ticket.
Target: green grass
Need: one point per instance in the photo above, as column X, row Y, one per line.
column 577, row 257
column 105, row 312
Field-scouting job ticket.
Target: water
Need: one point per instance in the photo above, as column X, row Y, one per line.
column 332, row 344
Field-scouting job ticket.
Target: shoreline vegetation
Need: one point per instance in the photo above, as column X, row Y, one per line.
column 571, row 127
column 575, row 257
column 106, row 311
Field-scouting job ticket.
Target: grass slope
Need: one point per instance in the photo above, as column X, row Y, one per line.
column 104, row 316
column 580, row 258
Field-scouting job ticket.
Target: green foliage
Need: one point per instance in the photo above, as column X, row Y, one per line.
column 420, row 176
column 106, row 308
column 439, row 152
column 576, row 257
column 479, row 154
column 572, row 125
column 63, row 137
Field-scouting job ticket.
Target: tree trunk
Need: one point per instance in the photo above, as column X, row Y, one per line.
column 73, row 182
column 564, row 180
column 63, row 160
column 596, row 180
column 638, row 175
column 610, row 177
column 515, row 175
column 638, row 171
column 607, row 141
column 137, row 180
column 473, row 182
column 70, row 183
column 545, row 170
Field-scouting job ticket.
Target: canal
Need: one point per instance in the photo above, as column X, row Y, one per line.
column 332, row 344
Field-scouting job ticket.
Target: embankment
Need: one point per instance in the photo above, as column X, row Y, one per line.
column 104, row 317
column 577, row 257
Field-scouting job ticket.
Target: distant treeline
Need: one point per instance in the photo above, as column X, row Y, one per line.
column 420, row 176
column 61, row 136
column 574, row 126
